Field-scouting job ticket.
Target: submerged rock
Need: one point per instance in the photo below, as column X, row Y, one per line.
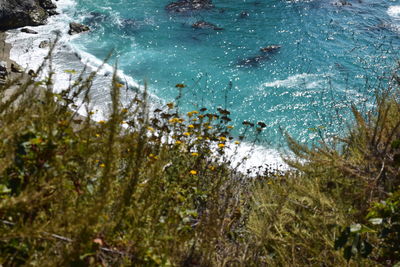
column 20, row 13
column 75, row 28
column 255, row 61
column 189, row 5
column 342, row 3
column 206, row 25
column 252, row 61
column 244, row 14
column 44, row 44
column 270, row 49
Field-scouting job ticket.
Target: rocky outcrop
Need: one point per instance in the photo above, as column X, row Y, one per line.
column 47, row 4
column 184, row 6
column 206, row 25
column 3, row 72
column 20, row 13
column 75, row 28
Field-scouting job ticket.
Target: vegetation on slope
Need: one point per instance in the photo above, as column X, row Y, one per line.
column 159, row 190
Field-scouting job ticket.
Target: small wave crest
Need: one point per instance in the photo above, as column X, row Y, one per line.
column 308, row 81
column 394, row 12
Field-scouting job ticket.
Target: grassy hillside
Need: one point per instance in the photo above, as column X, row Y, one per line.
column 141, row 190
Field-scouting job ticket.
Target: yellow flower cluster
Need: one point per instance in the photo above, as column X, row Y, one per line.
column 191, row 113
column 176, row 120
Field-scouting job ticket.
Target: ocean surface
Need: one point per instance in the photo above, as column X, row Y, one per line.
column 331, row 56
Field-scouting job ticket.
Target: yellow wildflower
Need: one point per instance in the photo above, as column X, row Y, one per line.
column 209, row 127
column 237, row 142
column 102, row 122
column 102, row 165
column 124, row 110
column 150, row 129
column 178, row 142
column 191, row 126
column 195, row 154
column 200, row 137
column 222, row 138
column 193, row 172
column 97, row 135
column 229, row 127
column 221, row 145
column 186, row 133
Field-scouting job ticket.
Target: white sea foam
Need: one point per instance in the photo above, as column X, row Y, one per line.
column 305, row 80
column 26, row 52
column 254, row 159
column 394, row 12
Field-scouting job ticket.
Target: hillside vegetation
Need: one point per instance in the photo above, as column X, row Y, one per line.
column 159, row 190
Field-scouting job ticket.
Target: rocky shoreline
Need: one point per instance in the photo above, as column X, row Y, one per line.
column 16, row 14
column 5, row 60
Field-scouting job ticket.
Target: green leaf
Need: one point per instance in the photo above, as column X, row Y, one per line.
column 4, row 189
column 70, row 71
column 347, row 253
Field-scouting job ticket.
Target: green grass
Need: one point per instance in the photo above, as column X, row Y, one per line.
column 148, row 190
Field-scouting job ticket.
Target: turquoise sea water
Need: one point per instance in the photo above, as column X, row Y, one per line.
column 331, row 56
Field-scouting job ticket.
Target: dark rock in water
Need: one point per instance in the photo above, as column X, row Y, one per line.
column 255, row 61
column 270, row 49
column 44, row 44
column 189, row 5
column 16, row 68
column 244, row 15
column 26, row 30
column 206, row 25
column 3, row 70
column 20, row 13
column 75, row 28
